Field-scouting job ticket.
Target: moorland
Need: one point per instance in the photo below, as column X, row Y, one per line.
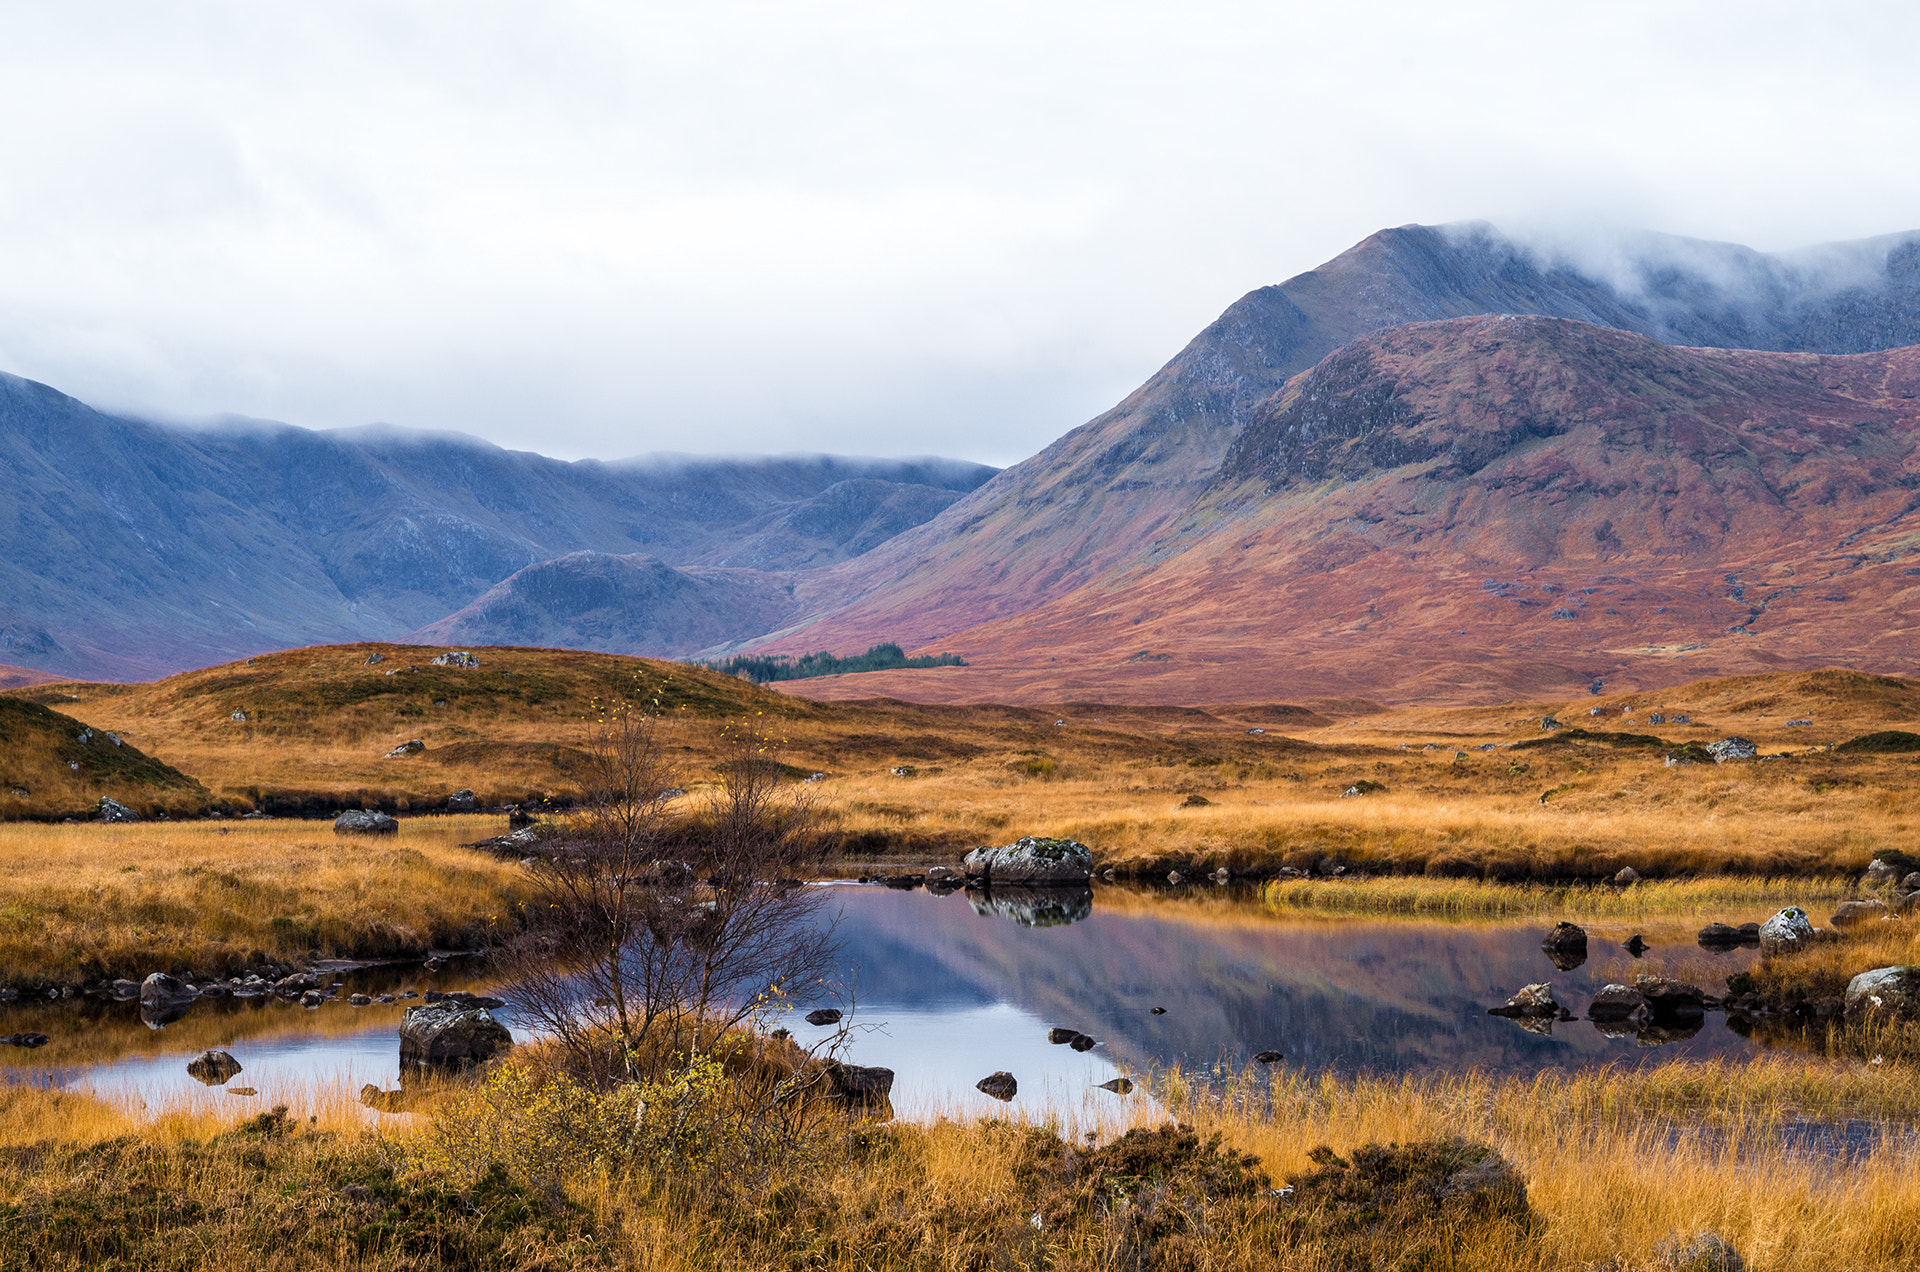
column 1331, row 805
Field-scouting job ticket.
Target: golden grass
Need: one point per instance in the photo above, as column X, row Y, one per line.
column 1614, row 1162
column 86, row 903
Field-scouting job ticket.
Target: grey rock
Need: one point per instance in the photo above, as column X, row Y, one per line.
column 1732, row 749
column 1001, row 1085
column 462, row 802
column 1619, row 1003
column 1119, row 1086
column 459, row 658
column 1267, row 1057
column 374, row 658
column 1851, row 912
column 1626, row 875
column 1880, row 873
column 450, row 1035
column 1535, row 1001
column 112, row 810
column 1566, row 945
column 1635, row 945
column 313, row 998
column 359, row 821
column 1885, row 993
column 1719, row 935
column 1785, row 932
column 1059, row 1037
column 124, row 989
column 405, row 749
column 359, row 1000
column 296, row 983
column 213, row 1067
column 1701, row 1252
column 1911, row 883
column 824, row 1016
column 163, row 989
column 1031, row 859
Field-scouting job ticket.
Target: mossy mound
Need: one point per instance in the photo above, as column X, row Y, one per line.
column 1885, row 742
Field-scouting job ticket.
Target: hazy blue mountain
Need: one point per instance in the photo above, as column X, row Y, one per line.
column 132, row 549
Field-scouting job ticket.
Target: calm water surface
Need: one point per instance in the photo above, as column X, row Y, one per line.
column 952, row 988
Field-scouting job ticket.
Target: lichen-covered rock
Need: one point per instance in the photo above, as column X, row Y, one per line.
column 1785, row 932
column 361, row 821
column 405, row 749
column 1880, row 873
column 459, row 658
column 450, row 1035
column 1885, row 993
column 1031, row 859
column 112, row 810
column 462, row 802
column 1532, row 1001
column 213, row 1068
column 1732, row 749
column 1851, row 912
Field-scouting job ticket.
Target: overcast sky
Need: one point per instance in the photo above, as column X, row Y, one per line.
column 890, row 228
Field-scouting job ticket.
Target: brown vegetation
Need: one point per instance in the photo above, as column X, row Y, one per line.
column 81, row 904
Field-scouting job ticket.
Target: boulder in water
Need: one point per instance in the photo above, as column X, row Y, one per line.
column 450, row 1035
column 1001, row 1085
column 1031, row 859
column 213, row 1067
column 1535, row 1001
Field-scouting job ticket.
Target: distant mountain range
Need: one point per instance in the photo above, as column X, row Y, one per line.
column 1361, row 480
column 128, row 549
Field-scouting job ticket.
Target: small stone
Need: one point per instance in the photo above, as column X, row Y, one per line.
column 824, row 1016
column 1083, row 1043
column 1058, row 1036
column 1001, row 1085
column 1635, row 945
column 405, row 749
column 461, row 802
column 359, row 1000
column 112, row 810
column 213, row 1067
column 1267, row 1057
column 1159, row 1011
column 1627, row 876
column 1536, row 1001
column 460, row 658
column 1119, row 1086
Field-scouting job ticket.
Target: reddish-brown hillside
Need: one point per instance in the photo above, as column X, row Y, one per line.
column 1500, row 507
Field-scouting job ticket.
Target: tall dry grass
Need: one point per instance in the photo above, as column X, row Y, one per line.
column 1614, row 1162
column 85, row 903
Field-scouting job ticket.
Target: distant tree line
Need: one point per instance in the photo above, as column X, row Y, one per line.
column 888, row 657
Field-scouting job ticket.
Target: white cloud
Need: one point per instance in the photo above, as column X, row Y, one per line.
column 887, row 228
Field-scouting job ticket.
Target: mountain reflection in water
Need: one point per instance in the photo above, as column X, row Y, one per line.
column 1347, row 994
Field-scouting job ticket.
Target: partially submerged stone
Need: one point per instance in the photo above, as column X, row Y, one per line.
column 1619, row 1003
column 450, row 1035
column 1001, row 1085
column 213, row 1067
column 1535, row 1000
column 1031, row 859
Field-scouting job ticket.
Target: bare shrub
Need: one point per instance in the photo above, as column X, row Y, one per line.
column 651, row 938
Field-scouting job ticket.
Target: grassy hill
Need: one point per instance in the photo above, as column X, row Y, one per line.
column 52, row 765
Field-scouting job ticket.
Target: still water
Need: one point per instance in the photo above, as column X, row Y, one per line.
column 950, row 988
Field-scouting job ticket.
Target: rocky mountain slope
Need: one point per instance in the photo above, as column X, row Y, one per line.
column 1494, row 506
column 1109, row 489
column 128, row 549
